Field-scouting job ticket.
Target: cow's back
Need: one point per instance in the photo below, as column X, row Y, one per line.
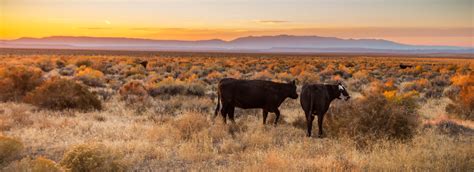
column 244, row 93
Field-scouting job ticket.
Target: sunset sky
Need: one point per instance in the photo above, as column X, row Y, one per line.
column 428, row 22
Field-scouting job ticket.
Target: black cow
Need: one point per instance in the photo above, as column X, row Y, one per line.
column 404, row 66
column 315, row 100
column 144, row 63
column 250, row 94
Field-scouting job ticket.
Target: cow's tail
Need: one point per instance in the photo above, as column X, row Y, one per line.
column 218, row 103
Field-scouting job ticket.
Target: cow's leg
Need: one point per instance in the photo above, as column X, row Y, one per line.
column 309, row 123
column 230, row 112
column 320, row 125
column 265, row 115
column 224, row 112
column 277, row 113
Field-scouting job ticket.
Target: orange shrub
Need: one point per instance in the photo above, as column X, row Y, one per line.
column 90, row 77
column 295, row 71
column 463, row 105
column 60, row 94
column 467, row 92
column 134, row 93
column 214, row 76
column 390, row 84
column 16, row 81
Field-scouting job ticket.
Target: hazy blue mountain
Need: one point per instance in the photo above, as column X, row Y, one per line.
column 279, row 43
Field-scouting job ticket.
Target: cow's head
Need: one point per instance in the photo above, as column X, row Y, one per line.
column 342, row 92
column 292, row 90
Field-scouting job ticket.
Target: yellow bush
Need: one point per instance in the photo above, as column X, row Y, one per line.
column 390, row 94
column 84, row 71
column 39, row 164
column 90, row 76
column 92, row 157
column 9, row 149
column 375, row 117
column 192, row 78
column 419, row 68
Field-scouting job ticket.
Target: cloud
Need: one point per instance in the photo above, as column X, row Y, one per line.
column 271, row 21
column 95, row 28
column 144, row 28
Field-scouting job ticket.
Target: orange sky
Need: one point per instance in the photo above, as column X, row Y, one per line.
column 427, row 22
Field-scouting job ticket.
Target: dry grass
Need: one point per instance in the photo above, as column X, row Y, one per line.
column 193, row 140
column 178, row 132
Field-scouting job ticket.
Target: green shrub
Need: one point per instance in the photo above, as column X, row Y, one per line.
column 60, row 63
column 46, row 65
column 92, row 157
column 87, row 63
column 60, row 94
column 16, row 81
column 9, row 149
column 172, row 87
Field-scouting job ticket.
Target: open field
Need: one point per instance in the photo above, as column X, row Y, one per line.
column 118, row 115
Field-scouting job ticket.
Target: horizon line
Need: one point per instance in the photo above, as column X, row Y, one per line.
column 223, row 40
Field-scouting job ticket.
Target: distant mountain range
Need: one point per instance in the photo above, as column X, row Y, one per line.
column 266, row 44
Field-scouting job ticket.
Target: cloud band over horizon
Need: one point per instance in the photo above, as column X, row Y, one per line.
column 420, row 22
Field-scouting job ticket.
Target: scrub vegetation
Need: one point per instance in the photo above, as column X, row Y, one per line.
column 108, row 112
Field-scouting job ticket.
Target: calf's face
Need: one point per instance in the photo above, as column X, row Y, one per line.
column 292, row 90
column 342, row 92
